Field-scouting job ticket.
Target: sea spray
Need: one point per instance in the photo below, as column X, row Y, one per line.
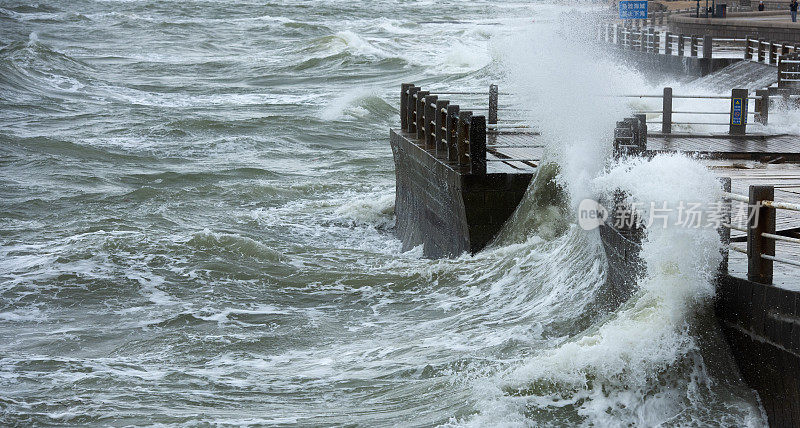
column 643, row 364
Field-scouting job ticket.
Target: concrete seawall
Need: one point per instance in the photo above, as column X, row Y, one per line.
column 762, row 325
column 445, row 209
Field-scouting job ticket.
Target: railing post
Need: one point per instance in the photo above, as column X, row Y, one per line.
column 430, row 121
column 477, row 145
column 451, row 126
column 762, row 106
column 773, row 50
column 421, row 114
column 668, row 43
column 462, row 137
column 725, row 232
column 642, row 40
column 404, row 105
column 708, row 46
column 760, row 219
column 748, row 55
column 693, row 46
column 760, row 50
column 440, row 135
column 680, row 45
column 651, row 40
column 493, row 100
column 738, row 116
column 666, row 112
column 619, row 40
column 412, row 109
column 780, row 72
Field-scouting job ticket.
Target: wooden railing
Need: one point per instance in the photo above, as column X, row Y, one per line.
column 737, row 124
column 666, row 43
column 760, row 227
column 451, row 134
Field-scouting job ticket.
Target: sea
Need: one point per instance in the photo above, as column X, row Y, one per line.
column 197, row 226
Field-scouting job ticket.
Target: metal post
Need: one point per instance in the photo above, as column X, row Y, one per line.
column 760, row 219
column 477, row 145
column 680, row 44
column 693, row 46
column 760, row 51
column 781, row 67
column 404, row 105
column 708, row 46
column 462, row 137
column 452, row 124
column 762, row 106
column 738, row 117
column 440, row 135
column 666, row 112
column 493, row 99
column 421, row 114
column 430, row 121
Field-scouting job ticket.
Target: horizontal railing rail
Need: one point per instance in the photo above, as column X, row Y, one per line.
column 666, row 43
column 738, row 111
column 760, row 227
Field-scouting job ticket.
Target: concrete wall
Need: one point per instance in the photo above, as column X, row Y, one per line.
column 446, row 210
column 659, row 64
column 778, row 31
column 762, row 325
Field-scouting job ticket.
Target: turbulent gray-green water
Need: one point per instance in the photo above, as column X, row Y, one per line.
column 196, row 228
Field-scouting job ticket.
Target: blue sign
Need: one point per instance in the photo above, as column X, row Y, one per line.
column 736, row 115
column 633, row 9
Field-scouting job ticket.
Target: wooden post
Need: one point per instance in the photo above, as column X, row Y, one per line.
column 708, row 46
column 760, row 50
column 666, row 112
column 724, row 232
column 430, row 121
column 493, row 100
column 462, row 137
column 760, row 219
column 680, row 44
column 404, row 105
column 773, row 51
column 421, row 114
column 452, row 124
column 762, row 106
column 693, row 46
column 642, row 40
column 668, row 43
column 440, row 135
column 412, row 109
column 653, row 40
column 748, row 55
column 738, row 116
column 477, row 145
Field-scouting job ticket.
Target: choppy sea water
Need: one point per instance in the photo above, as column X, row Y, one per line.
column 196, row 228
